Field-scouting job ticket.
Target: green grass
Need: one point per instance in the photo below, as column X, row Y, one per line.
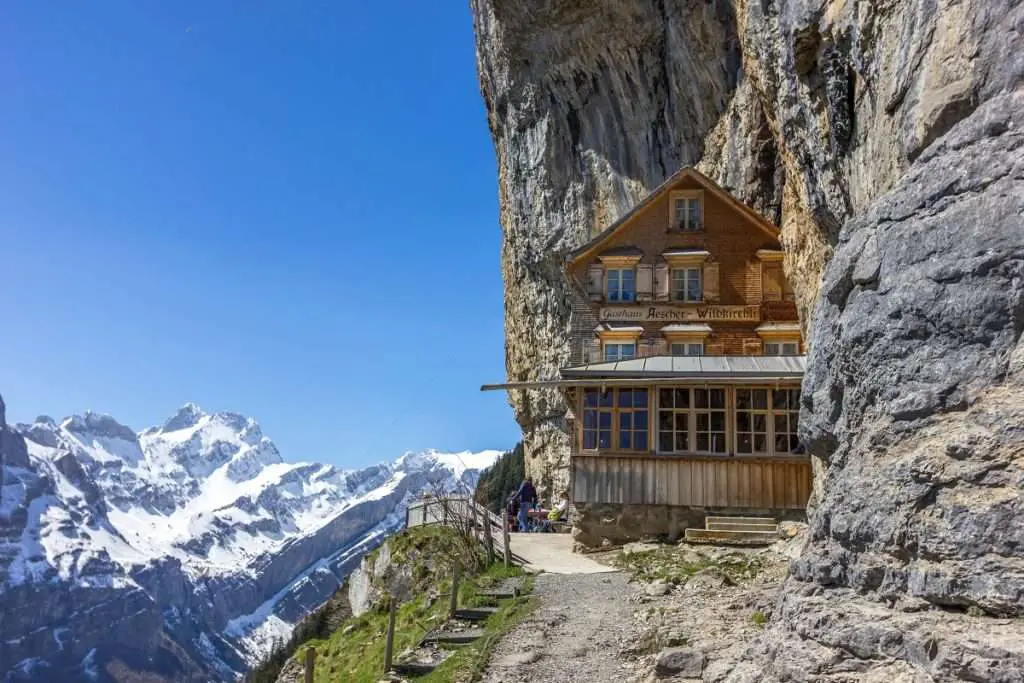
column 674, row 566
column 355, row 652
column 759, row 618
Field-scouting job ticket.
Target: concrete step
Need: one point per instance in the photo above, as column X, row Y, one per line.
column 742, row 526
column 497, row 595
column 454, row 637
column 739, row 520
column 730, row 537
column 475, row 613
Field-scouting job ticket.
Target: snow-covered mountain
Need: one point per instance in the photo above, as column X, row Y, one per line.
column 183, row 550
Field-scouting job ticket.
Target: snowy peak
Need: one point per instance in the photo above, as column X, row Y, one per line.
column 187, row 416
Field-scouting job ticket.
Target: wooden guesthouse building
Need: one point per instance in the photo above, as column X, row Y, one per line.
column 685, row 372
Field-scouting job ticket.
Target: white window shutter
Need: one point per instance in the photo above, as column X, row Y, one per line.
column 594, row 351
column 662, row 282
column 711, row 290
column 644, row 282
column 595, row 282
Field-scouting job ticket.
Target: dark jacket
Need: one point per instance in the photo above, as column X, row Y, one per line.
column 527, row 494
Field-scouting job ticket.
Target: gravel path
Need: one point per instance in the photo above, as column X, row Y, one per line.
column 576, row 634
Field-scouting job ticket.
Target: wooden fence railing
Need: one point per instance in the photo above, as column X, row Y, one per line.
column 464, row 513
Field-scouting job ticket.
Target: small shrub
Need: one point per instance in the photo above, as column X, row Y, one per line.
column 759, row 618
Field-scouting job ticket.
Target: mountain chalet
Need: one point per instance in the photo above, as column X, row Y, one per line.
column 685, row 369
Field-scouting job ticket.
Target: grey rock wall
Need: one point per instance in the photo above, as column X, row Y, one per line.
column 885, row 139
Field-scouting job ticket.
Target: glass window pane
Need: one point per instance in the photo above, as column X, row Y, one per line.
column 781, row 443
column 625, row 440
column 703, row 422
column 718, row 421
column 605, row 439
column 640, row 398
column 589, row 419
column 771, row 349
column 761, row 399
column 606, row 398
column 640, row 441
column 681, row 422
column 590, row 397
column 694, row 207
column 682, row 442
column 743, row 422
column 665, row 441
column 665, row 420
column 743, row 400
column 718, row 398
column 779, row 400
column 702, row 442
column 760, row 443
column 695, row 350
column 640, row 420
column 625, row 398
column 701, row 397
column 589, row 440
column 625, row 421
column 682, row 398
column 604, row 420
column 743, row 444
column 781, row 423
column 627, row 351
column 760, row 423
column 718, row 443
column 665, row 398
column 794, row 444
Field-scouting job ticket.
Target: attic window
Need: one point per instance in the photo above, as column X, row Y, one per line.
column 687, row 211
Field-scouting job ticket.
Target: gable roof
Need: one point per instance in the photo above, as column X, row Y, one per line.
column 685, row 172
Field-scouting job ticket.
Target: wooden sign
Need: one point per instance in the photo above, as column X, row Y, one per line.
column 680, row 314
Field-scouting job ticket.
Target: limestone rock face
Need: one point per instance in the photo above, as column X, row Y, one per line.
column 886, row 140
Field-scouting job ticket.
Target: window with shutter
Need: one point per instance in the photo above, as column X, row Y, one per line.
column 711, row 283
column 662, row 282
column 644, row 282
column 595, row 284
column 771, row 282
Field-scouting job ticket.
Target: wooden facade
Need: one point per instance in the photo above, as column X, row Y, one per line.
column 738, row 483
column 689, row 272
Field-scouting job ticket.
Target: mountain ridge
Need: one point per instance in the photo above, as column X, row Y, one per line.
column 196, row 533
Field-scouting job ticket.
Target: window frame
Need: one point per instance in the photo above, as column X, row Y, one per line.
column 616, row 412
column 690, row 198
column 605, row 344
column 781, row 344
column 688, row 346
column 620, row 291
column 686, row 271
column 754, row 411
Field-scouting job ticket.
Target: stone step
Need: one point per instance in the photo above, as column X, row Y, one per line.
column 413, row 668
column 497, row 595
column 742, row 526
column 730, row 537
column 454, row 637
column 740, row 520
column 475, row 613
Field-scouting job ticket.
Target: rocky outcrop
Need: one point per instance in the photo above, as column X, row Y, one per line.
column 885, row 139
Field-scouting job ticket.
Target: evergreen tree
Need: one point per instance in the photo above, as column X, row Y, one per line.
column 498, row 482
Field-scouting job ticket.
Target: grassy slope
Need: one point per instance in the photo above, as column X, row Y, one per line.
column 355, row 651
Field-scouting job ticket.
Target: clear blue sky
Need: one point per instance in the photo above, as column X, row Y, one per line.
column 285, row 209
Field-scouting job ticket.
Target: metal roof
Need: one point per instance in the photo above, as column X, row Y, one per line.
column 695, row 366
column 669, row 369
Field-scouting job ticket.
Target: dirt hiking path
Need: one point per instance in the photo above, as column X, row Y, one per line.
column 577, row 633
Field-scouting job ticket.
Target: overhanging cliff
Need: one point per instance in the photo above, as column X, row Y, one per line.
column 885, row 139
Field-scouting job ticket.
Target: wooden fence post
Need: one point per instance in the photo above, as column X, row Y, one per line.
column 310, row 663
column 454, row 603
column 488, row 539
column 505, row 538
column 389, row 642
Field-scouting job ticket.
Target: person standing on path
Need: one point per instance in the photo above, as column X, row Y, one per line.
column 527, row 496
